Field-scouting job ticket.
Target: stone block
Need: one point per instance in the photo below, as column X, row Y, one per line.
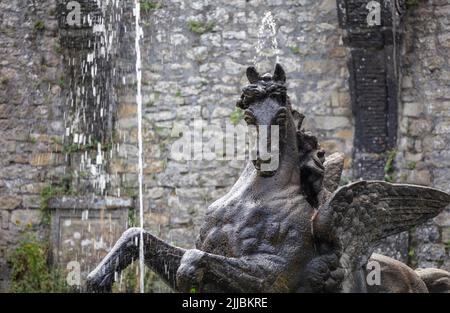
column 9, row 202
column 84, row 229
column 446, row 235
column 332, row 122
column 5, row 219
column 25, row 219
column 414, row 109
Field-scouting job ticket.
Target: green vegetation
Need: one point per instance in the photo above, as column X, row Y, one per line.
column 200, row 28
column 132, row 222
column 412, row 257
column 92, row 146
column 178, row 94
column 147, row 5
column 389, row 168
column 295, row 50
column 57, row 49
column 61, row 82
column 46, row 194
column 4, row 81
column 130, row 192
column 32, row 139
column 236, row 116
column 411, row 4
column 39, row 25
column 30, row 270
column 412, row 165
column 60, row 188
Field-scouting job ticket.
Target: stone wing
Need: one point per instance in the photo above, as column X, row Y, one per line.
column 334, row 164
column 360, row 214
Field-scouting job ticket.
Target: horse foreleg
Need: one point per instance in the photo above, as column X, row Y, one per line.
column 162, row 258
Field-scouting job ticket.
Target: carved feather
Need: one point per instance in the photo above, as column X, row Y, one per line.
column 359, row 215
column 334, row 165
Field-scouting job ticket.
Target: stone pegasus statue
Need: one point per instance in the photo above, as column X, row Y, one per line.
column 291, row 229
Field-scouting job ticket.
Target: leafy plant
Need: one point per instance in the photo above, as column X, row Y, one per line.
column 147, row 5
column 200, row 27
column 30, row 271
column 39, row 25
column 389, row 168
column 236, row 116
column 48, row 193
column 61, row 82
column 412, row 165
column 132, row 222
column 57, row 49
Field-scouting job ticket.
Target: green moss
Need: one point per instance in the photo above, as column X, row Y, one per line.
column 61, row 82
column 130, row 192
column 39, row 25
column 412, row 257
column 57, row 49
column 200, row 28
column 295, row 50
column 147, row 5
column 132, row 221
column 178, row 94
column 48, row 193
column 236, row 116
column 412, row 165
column 412, row 4
column 32, row 139
column 389, row 169
column 71, row 148
column 30, row 270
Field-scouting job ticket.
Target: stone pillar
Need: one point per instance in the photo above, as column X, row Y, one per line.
column 373, row 31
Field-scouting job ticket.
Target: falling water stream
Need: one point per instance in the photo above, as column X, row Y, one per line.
column 268, row 25
column 139, row 35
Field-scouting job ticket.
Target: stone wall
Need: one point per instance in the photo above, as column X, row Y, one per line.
column 423, row 155
column 31, row 79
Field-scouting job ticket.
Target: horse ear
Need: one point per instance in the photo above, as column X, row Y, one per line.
column 279, row 75
column 252, row 75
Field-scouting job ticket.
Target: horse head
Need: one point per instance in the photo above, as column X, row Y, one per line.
column 266, row 104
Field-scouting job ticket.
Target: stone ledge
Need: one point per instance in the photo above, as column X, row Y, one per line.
column 89, row 202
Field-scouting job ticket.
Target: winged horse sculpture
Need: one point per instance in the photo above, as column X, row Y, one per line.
column 290, row 229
